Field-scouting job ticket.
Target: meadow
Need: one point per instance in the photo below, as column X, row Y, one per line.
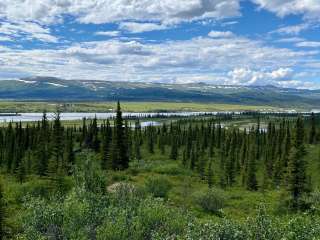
column 13, row 107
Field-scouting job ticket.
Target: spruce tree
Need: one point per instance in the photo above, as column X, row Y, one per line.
column 251, row 178
column 55, row 162
column 297, row 176
column 210, row 174
column 42, row 151
column 231, row 159
column 119, row 148
column 105, row 146
column 174, row 149
column 137, row 140
column 193, row 158
column 312, row 134
column 150, row 139
column 21, row 171
column 69, row 155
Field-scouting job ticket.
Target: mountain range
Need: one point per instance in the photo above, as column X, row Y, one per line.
column 55, row 89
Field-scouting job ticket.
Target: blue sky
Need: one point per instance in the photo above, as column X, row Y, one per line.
column 232, row 42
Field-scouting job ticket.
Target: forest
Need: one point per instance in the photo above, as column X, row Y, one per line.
column 200, row 177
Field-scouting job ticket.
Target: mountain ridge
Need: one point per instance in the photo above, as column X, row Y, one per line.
column 56, row 89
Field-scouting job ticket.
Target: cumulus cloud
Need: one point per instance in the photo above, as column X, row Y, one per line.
column 27, row 30
column 293, row 30
column 135, row 27
column 165, row 11
column 282, row 77
column 309, row 8
column 18, row 16
column 308, row 44
column 5, row 39
column 108, row 33
column 290, row 40
column 247, row 76
column 104, row 11
column 218, row 34
column 234, row 60
column 221, row 57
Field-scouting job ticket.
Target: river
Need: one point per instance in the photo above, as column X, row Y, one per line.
column 33, row 117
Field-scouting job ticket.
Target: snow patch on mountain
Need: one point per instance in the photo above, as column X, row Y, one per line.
column 56, row 84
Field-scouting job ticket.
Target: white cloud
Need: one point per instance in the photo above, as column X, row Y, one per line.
column 108, row 33
column 217, row 34
column 281, row 74
column 135, row 27
column 27, row 30
column 282, row 77
column 309, row 8
column 309, row 44
column 105, row 11
column 290, row 40
column 234, row 60
column 247, row 76
column 5, row 39
column 293, row 30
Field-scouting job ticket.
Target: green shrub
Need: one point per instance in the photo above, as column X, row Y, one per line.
column 212, row 201
column 158, row 186
column 172, row 169
column 34, row 188
column 120, row 177
column 224, row 230
column 263, row 226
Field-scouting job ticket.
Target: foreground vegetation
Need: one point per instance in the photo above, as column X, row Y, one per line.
column 253, row 176
column 13, row 107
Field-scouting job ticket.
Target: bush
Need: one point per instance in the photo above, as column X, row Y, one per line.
column 212, row 201
column 88, row 215
column 305, row 203
column 172, row 169
column 158, row 186
column 120, row 177
column 263, row 226
column 34, row 188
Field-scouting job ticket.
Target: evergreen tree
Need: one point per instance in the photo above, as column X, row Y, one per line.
column 150, row 140
column 105, row 146
column 55, row 162
column 230, row 164
column 174, row 149
column 94, row 141
column 222, row 155
column 137, row 140
column 69, row 155
column 21, row 172
column 193, row 158
column 297, row 176
column 119, row 148
column 251, row 178
column 42, row 151
column 210, row 175
column 313, row 133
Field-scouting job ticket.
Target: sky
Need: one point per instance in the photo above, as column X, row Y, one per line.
column 229, row 42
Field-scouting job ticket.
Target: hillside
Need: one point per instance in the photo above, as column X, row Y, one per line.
column 53, row 89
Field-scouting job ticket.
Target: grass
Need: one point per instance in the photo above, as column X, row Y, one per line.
column 6, row 106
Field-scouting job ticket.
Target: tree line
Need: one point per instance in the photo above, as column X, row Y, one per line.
column 255, row 158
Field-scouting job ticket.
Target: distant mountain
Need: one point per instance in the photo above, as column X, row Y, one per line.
column 54, row 89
